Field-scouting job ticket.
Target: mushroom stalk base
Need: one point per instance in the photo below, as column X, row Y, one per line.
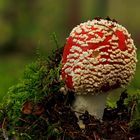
column 94, row 104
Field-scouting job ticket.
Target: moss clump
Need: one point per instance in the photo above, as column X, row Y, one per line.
column 40, row 79
column 133, row 105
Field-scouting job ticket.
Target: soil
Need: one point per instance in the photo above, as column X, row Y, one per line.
column 57, row 110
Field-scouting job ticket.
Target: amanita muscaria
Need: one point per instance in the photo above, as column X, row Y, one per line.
column 99, row 56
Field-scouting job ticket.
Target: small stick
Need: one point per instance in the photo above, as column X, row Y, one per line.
column 4, row 130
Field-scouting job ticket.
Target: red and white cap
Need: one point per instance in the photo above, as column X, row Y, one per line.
column 98, row 55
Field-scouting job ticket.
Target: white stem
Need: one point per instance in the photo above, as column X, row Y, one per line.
column 94, row 104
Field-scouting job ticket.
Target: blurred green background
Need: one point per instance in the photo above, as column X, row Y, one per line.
column 26, row 25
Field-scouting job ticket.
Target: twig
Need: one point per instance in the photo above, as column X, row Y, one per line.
column 123, row 129
column 24, row 120
column 29, row 127
column 95, row 137
column 78, row 112
column 55, row 40
column 4, row 130
column 132, row 109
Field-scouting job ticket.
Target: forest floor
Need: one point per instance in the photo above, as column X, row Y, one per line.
column 57, row 110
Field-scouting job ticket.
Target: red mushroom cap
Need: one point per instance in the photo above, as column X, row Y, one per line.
column 98, row 55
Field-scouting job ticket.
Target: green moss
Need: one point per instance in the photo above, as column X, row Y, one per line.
column 133, row 104
column 39, row 80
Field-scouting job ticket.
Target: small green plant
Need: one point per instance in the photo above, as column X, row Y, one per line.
column 110, row 103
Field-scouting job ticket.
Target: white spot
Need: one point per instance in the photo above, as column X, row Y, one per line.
column 78, row 30
column 84, row 45
column 114, row 37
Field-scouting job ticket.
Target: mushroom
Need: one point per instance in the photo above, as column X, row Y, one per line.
column 99, row 56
